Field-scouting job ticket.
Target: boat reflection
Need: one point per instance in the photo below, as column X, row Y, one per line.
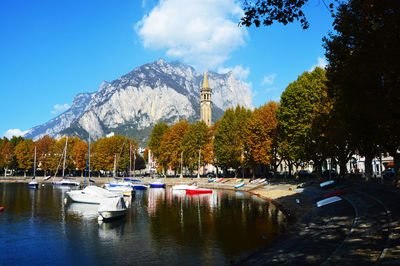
column 112, row 230
column 85, row 211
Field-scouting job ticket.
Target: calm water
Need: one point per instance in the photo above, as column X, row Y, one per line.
column 161, row 227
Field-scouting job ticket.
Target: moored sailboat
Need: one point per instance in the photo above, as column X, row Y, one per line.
column 63, row 181
column 34, row 183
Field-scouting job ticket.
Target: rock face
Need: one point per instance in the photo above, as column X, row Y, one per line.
column 132, row 104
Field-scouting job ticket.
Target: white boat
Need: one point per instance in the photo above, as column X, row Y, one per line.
column 183, row 187
column 327, row 183
column 125, row 189
column 34, row 183
column 328, row 201
column 66, row 183
column 91, row 194
column 112, row 208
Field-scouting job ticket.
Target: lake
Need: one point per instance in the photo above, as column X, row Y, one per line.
column 162, row 227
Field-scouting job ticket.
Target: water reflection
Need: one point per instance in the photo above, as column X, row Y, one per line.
column 162, row 226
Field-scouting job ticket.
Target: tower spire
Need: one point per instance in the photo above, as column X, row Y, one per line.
column 205, row 81
column 205, row 102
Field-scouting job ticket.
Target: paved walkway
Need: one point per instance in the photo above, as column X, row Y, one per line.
column 362, row 229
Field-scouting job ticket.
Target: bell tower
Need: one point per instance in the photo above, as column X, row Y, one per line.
column 205, row 102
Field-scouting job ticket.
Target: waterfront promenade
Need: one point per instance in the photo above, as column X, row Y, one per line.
column 363, row 228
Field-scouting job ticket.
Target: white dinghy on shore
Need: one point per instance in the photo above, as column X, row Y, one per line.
column 183, row 187
column 328, row 201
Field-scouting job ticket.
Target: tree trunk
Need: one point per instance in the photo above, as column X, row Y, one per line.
column 368, row 166
column 290, row 168
column 396, row 167
column 318, row 168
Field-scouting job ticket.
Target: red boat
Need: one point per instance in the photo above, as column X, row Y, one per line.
column 198, row 191
column 334, row 193
column 1, row 209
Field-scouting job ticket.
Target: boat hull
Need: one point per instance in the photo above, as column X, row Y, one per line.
column 107, row 215
column 240, row 185
column 66, row 183
column 33, row 184
column 334, row 193
column 328, row 201
column 198, row 191
column 139, row 187
column 157, row 185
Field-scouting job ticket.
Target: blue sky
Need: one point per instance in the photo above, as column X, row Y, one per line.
column 52, row 50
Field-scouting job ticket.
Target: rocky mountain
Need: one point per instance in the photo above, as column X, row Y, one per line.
column 133, row 103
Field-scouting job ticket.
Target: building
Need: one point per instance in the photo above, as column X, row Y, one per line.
column 205, row 102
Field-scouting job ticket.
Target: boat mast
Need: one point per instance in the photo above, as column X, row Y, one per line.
column 89, row 157
column 87, row 162
column 65, row 156
column 115, row 162
column 130, row 159
column 34, row 165
column 134, row 163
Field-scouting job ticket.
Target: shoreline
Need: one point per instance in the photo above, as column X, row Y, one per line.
column 279, row 194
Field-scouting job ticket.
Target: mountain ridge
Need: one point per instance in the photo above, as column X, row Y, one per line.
column 132, row 104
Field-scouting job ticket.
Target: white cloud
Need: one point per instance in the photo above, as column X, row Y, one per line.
column 110, row 134
column 14, row 132
column 239, row 72
column 322, row 63
column 268, row 79
column 60, row 108
column 201, row 32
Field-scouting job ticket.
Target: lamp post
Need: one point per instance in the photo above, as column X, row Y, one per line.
column 198, row 169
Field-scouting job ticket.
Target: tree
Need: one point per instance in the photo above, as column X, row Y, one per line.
column 298, row 110
column 155, row 138
column 194, row 140
column 363, row 74
column 24, row 153
column 266, row 12
column 171, row 146
column 79, row 155
column 229, row 144
column 110, row 150
column 6, row 154
column 43, row 151
column 261, row 133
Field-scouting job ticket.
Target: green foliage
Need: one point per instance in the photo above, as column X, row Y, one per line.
column 300, row 104
column 363, row 73
column 195, row 139
column 229, row 144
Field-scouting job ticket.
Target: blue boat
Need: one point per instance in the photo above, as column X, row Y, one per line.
column 157, row 185
column 239, row 185
column 139, row 187
column 132, row 180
